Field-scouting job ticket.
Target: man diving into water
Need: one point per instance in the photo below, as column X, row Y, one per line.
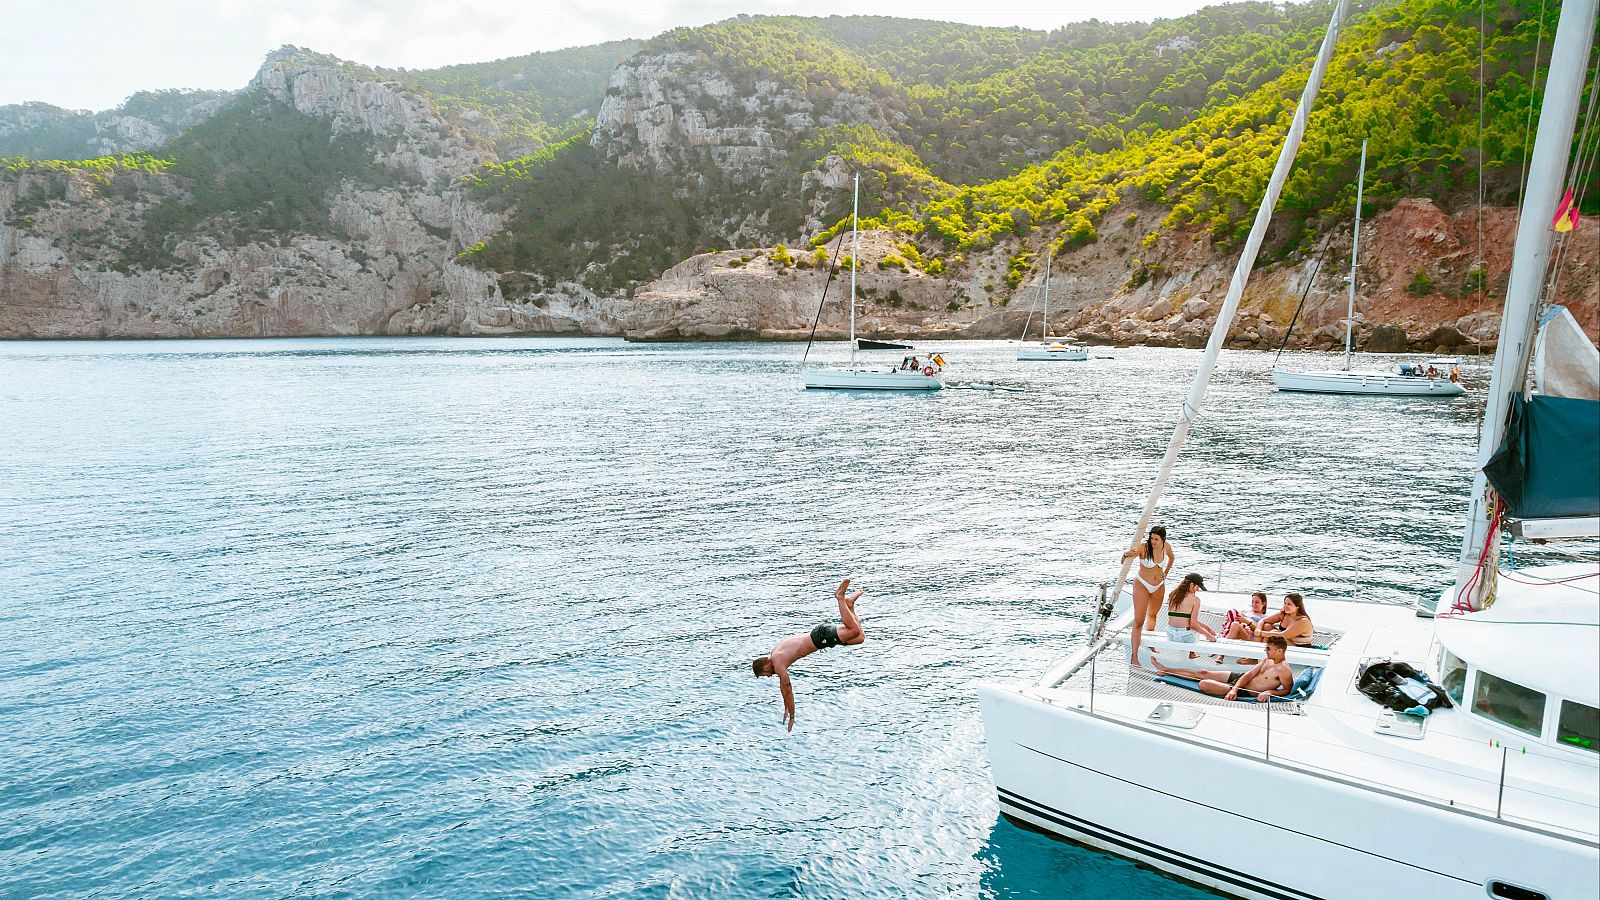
column 793, row 647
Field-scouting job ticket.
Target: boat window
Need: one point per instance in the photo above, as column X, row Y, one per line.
column 1508, row 703
column 1579, row 726
column 1452, row 675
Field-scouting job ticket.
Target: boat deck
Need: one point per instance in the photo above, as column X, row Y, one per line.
column 1448, row 758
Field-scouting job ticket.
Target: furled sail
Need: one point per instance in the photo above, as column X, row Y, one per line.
column 1565, row 363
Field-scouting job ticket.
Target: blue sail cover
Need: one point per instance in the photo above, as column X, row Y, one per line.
column 1549, row 464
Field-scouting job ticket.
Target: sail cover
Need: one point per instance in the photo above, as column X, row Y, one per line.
column 1546, row 467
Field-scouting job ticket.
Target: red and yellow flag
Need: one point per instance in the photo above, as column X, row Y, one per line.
column 1566, row 214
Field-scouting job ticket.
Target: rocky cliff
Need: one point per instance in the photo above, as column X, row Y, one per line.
column 144, row 121
column 330, row 198
column 386, row 265
column 1104, row 293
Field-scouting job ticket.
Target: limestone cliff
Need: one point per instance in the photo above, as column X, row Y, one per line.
column 1104, row 293
column 386, row 264
column 144, row 121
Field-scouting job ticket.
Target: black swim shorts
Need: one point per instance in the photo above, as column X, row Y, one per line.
column 825, row 636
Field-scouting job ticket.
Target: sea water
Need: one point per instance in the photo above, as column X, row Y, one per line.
column 463, row 618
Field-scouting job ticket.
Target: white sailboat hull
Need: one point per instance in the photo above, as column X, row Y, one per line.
column 1063, row 354
column 871, row 379
column 1380, row 383
column 1249, row 827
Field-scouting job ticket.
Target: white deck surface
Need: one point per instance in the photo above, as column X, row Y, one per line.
column 1457, row 761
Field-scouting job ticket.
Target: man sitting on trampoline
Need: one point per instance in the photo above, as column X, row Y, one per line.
column 1270, row 678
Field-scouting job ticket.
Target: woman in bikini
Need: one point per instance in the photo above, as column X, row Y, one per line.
column 1149, row 582
column 1290, row 623
column 1183, row 612
column 1235, row 624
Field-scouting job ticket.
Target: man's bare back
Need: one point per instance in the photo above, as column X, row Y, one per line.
column 798, row 646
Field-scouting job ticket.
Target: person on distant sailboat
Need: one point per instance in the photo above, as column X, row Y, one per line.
column 1149, row 583
column 792, row 648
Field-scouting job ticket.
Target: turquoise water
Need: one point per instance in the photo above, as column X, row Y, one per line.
column 463, row 618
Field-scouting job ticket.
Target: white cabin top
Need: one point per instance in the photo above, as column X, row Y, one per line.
column 1543, row 631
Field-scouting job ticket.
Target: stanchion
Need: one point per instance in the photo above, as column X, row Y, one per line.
column 1269, row 729
column 1499, row 801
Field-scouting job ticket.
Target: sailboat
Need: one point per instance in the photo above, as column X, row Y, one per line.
column 1397, row 382
column 921, row 377
column 1048, row 348
column 1321, row 792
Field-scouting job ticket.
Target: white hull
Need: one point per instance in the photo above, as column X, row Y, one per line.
column 871, row 379
column 1250, row 827
column 1387, row 384
column 1065, row 354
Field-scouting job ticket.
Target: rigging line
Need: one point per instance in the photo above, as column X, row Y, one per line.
column 1321, row 256
column 1527, row 128
column 1587, row 156
column 824, row 301
column 1543, row 582
column 1479, row 263
column 1029, row 321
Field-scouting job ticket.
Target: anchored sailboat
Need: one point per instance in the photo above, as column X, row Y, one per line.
column 922, row 377
column 1395, row 382
column 1320, row 792
column 1058, row 349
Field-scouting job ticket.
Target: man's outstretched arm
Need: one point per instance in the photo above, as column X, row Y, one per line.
column 788, row 695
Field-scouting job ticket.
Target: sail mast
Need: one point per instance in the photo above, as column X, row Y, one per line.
column 1569, row 62
column 1355, row 249
column 1044, row 334
column 855, row 238
column 1230, row 305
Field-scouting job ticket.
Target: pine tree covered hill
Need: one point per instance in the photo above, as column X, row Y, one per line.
column 997, row 140
column 1002, row 133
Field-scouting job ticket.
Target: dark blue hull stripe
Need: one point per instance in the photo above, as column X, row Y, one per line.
column 1182, row 861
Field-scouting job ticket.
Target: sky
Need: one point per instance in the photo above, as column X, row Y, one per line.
column 91, row 54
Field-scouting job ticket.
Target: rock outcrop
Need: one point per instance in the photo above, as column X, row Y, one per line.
column 1105, row 293
column 390, row 267
column 144, row 121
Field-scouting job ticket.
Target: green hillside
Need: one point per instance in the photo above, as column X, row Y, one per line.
column 542, row 97
column 985, row 141
column 998, row 133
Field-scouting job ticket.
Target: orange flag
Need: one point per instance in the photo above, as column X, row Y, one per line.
column 1566, row 214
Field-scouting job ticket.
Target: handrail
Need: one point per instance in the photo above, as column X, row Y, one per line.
column 1469, row 802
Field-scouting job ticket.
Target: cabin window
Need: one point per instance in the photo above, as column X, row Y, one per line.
column 1508, row 703
column 1452, row 675
column 1579, row 726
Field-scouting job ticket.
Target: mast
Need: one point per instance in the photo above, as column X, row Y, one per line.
column 1355, row 249
column 1569, row 61
column 1230, row 305
column 1044, row 334
column 855, row 237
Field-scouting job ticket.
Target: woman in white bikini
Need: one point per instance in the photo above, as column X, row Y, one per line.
column 1149, row 582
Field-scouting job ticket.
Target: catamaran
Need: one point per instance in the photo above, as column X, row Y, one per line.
column 1058, row 349
column 1322, row 793
column 922, row 377
column 1396, row 382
